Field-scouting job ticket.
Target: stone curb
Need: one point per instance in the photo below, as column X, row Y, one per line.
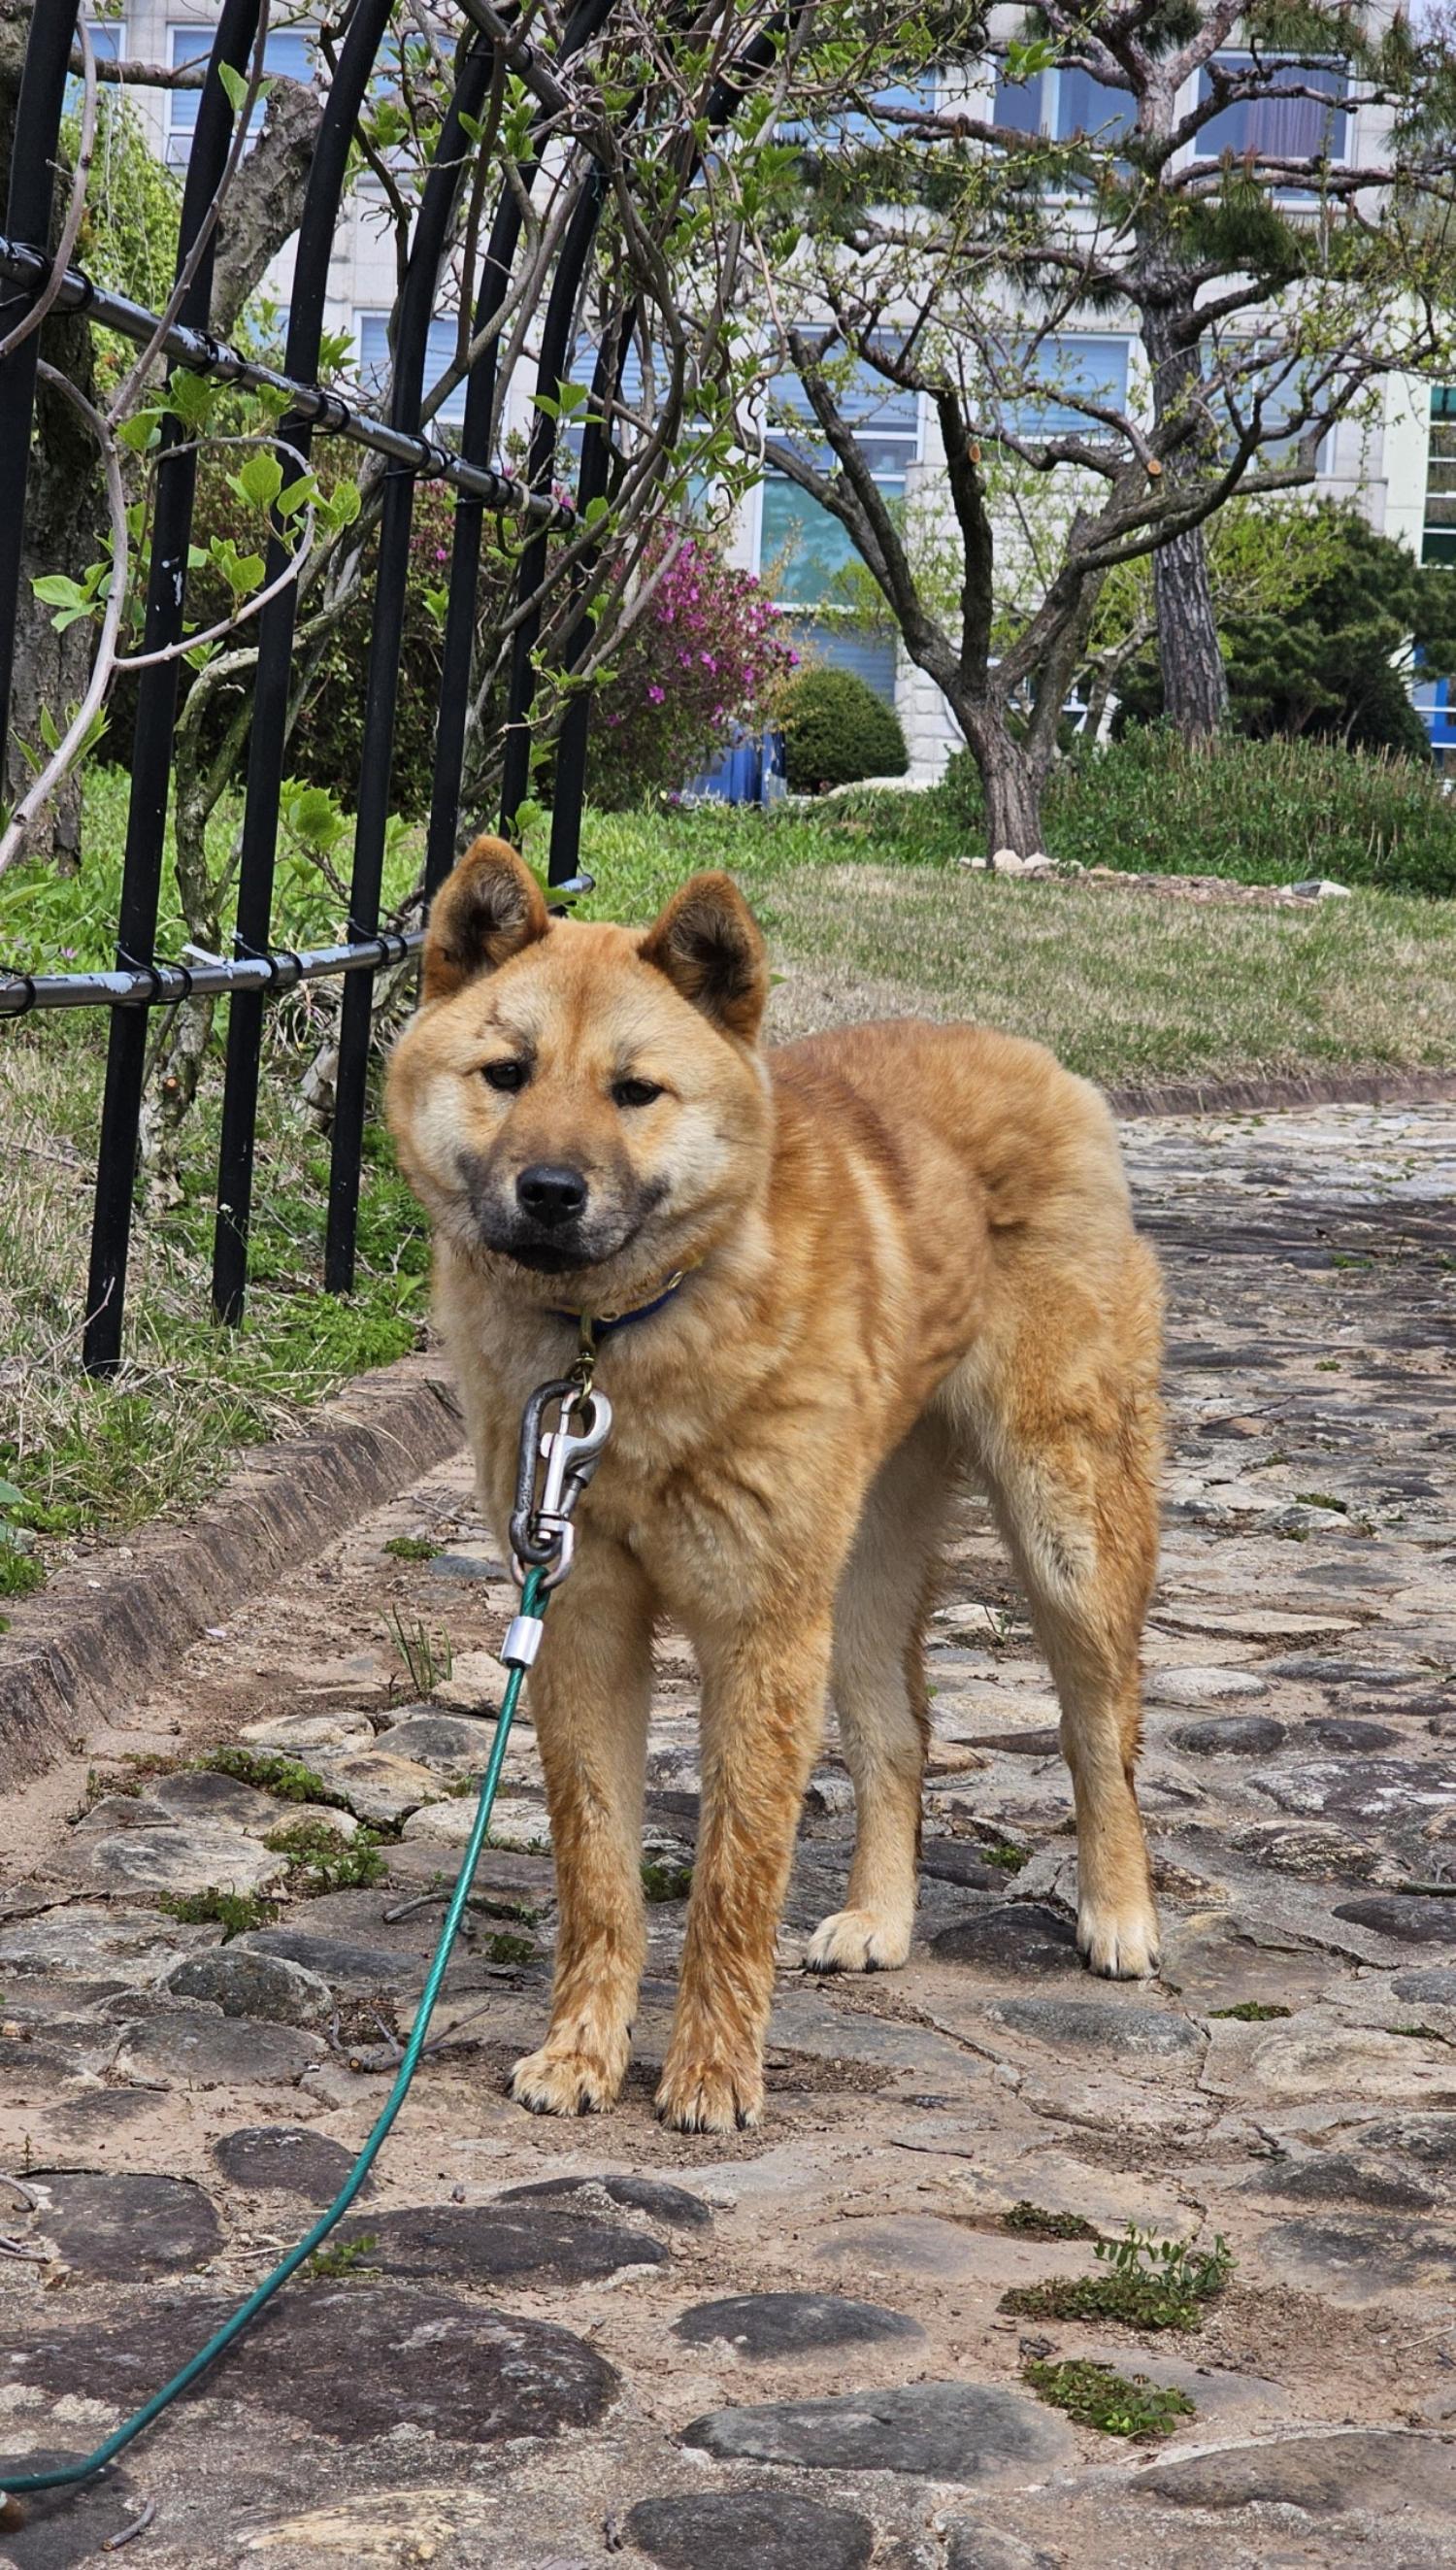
column 83, row 1640
column 1297, row 1089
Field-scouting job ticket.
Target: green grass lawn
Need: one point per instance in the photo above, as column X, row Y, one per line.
column 868, row 913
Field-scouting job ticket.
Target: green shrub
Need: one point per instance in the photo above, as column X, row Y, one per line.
column 1261, row 811
column 1321, row 651
column 837, row 731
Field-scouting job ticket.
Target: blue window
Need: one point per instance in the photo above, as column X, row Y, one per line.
column 107, row 44
column 440, row 346
column 865, row 125
column 289, row 52
column 869, row 655
column 1062, row 371
column 810, row 546
column 1277, row 124
column 1063, row 104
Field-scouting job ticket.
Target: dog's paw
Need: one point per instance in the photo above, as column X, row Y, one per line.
column 711, row 2096
column 1119, row 1943
column 552, row 2082
column 858, row 1941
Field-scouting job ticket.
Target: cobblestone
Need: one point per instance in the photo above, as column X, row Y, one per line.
column 791, row 2346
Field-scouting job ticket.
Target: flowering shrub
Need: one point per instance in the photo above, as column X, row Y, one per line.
column 709, row 653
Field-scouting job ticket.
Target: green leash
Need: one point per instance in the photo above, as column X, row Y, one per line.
column 534, row 1601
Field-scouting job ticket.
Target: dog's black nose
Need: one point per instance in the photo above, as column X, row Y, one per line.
column 550, row 1196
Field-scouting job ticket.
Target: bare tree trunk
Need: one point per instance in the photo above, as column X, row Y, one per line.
column 1195, row 683
column 1009, row 783
column 64, row 518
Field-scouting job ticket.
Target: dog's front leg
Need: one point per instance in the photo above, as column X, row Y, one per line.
column 589, row 1698
column 763, row 1688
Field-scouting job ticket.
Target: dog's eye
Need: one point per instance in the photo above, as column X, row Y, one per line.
column 635, row 1093
column 504, row 1075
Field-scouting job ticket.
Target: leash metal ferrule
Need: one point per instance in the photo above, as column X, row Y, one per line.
column 523, row 1641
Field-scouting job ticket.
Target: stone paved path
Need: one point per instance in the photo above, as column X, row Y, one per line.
column 564, row 2342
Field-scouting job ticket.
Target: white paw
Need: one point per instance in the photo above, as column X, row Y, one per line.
column 1121, row 1944
column 858, row 1941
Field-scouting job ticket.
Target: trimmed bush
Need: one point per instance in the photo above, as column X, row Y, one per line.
column 839, row 731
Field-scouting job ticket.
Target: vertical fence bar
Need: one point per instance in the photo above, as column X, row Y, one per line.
column 157, row 689
column 273, row 681
column 569, row 782
column 34, row 146
column 551, row 372
column 568, row 789
column 414, row 313
column 458, row 651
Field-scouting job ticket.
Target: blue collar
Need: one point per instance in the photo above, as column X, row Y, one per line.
column 595, row 1327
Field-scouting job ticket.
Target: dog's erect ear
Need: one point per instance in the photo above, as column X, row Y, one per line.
column 711, row 949
column 483, row 913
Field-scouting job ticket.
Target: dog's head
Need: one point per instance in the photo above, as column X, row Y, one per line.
column 583, row 1105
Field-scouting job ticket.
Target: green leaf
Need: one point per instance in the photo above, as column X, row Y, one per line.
column 297, row 494
column 261, row 479
column 235, row 86
column 140, row 431
column 190, row 398
column 55, row 589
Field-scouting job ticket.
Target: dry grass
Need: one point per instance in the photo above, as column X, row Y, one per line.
column 1123, row 985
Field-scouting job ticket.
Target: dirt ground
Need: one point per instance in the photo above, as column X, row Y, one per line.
column 792, row 2349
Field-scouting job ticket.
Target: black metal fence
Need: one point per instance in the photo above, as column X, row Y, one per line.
column 141, row 980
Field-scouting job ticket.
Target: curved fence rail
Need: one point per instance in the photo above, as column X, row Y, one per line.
column 410, row 454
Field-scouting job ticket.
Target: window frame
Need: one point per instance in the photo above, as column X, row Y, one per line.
column 375, row 380
column 183, row 104
column 1344, row 109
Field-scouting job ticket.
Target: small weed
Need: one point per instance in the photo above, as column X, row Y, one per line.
column 1328, row 1365
column 346, row 2258
column 662, row 1881
column 319, row 1861
column 236, row 1913
column 427, row 1662
column 1341, row 1258
column 1095, row 2396
column 1253, row 2012
column 507, row 1949
column 286, row 1779
column 1035, row 2221
column 1322, row 1499
column 1006, row 1853
column 1148, row 2283
column 413, row 1548
column 20, row 1572
column 1420, row 2033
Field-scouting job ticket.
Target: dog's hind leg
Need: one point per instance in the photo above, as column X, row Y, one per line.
column 590, row 1697
column 1069, row 1437
column 879, row 1688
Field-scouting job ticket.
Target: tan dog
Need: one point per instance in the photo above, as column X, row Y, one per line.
column 911, row 1264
